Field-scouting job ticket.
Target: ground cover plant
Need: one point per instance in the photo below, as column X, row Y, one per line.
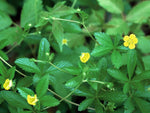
column 88, row 56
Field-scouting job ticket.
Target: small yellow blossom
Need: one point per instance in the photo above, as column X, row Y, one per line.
column 84, row 57
column 32, row 99
column 130, row 41
column 64, row 42
column 8, row 84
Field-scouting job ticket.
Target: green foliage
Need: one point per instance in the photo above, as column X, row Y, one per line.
column 42, row 86
column 15, row 99
column 43, row 45
column 34, row 7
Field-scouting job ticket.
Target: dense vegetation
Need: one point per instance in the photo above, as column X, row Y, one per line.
column 89, row 56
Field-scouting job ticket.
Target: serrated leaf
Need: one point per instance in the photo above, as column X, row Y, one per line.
column 113, row 6
column 85, row 103
column 117, row 74
column 25, row 91
column 5, row 20
column 143, row 76
column 12, row 35
column 15, row 99
column 140, row 12
column 30, row 12
column 74, row 81
column 27, row 65
column 61, row 10
column 116, row 59
column 131, row 62
column 113, row 96
column 100, row 51
column 118, row 26
column 43, row 53
column 25, row 82
column 49, row 101
column 142, row 104
column 42, row 86
column 103, row 39
column 129, row 106
column 58, row 33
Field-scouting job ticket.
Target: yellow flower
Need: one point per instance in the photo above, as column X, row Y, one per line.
column 32, row 99
column 130, row 41
column 64, row 42
column 8, row 84
column 84, row 57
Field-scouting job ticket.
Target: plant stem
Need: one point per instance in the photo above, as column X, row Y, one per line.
column 11, row 66
column 71, row 92
column 74, row 3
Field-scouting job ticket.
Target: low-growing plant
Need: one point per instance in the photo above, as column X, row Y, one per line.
column 74, row 56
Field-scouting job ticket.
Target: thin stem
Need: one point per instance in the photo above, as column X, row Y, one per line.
column 100, row 82
column 89, row 33
column 61, row 19
column 74, row 3
column 11, row 48
column 11, row 66
column 71, row 92
column 50, row 64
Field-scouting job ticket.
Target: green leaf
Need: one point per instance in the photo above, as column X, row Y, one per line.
column 12, row 109
column 3, row 55
column 129, row 106
column 118, row 26
column 85, row 103
column 113, row 96
column 143, row 44
column 30, row 12
column 74, row 81
column 44, row 49
column 12, row 35
column 1, row 98
column 42, row 86
column 3, row 70
column 7, row 8
column 143, row 105
column 49, row 101
column 131, row 62
column 43, row 53
column 27, row 65
column 58, row 33
column 126, row 87
column 103, row 39
column 112, row 6
column 25, row 91
column 15, row 99
column 116, row 59
column 146, row 61
column 2, row 79
column 100, row 51
column 98, row 106
column 117, row 74
column 140, row 12
column 5, row 20
column 25, row 82
column 143, row 76
column 61, row 10
column 11, row 72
